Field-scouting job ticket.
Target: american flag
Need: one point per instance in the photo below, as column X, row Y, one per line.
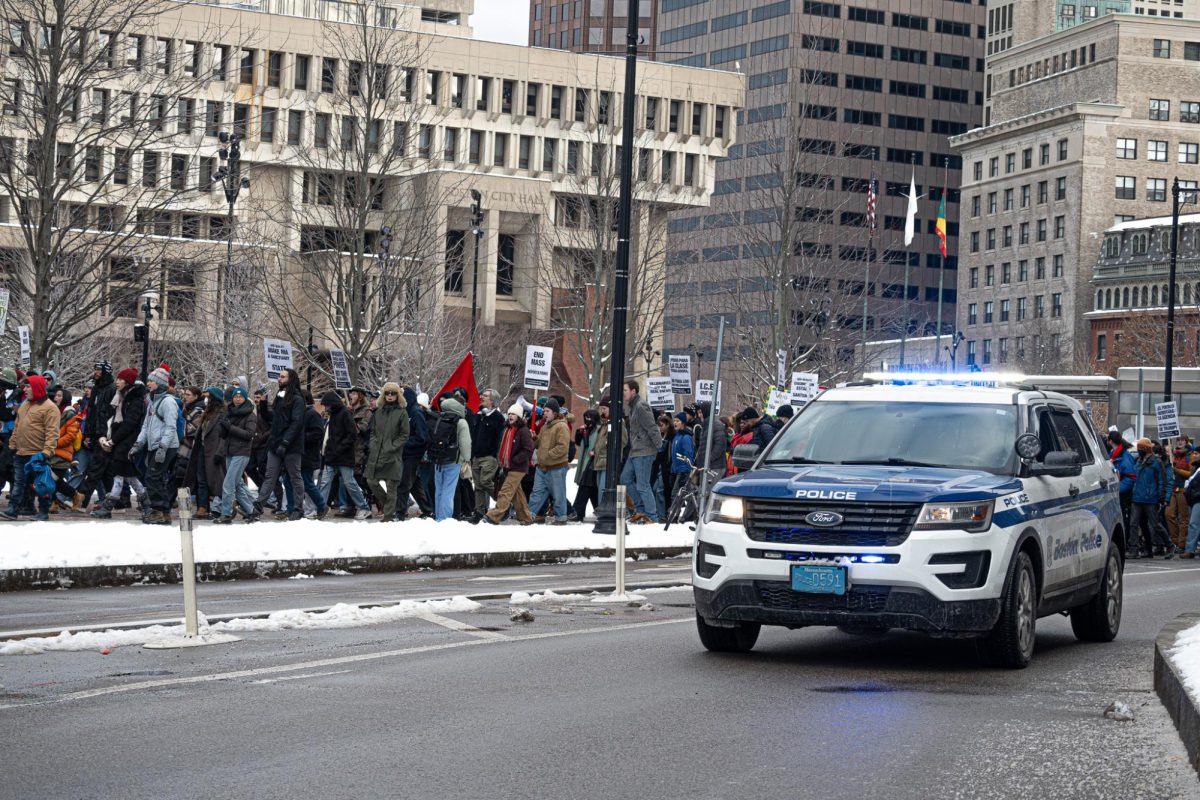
column 871, row 204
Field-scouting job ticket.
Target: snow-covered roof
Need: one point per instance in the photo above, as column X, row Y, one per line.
column 1153, row 222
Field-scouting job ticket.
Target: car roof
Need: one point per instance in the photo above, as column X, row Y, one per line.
column 943, row 393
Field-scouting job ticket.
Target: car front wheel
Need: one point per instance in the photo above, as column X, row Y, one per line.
column 738, row 639
column 1010, row 643
column 1099, row 619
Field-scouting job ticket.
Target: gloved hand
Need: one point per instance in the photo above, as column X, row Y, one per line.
column 281, row 449
column 224, row 423
column 136, row 449
column 160, row 455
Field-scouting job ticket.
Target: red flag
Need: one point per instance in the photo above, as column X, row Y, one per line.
column 464, row 378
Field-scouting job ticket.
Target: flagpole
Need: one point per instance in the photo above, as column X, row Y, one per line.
column 937, row 345
column 872, row 200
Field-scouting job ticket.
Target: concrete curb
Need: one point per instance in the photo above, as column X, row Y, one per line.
column 1168, row 684
column 88, row 577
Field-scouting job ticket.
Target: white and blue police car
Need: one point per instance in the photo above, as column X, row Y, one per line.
column 958, row 506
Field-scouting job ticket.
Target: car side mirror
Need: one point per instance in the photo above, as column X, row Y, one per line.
column 1058, row 464
column 1028, row 447
column 744, row 456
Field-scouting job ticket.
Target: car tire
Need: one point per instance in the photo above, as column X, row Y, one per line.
column 738, row 639
column 1099, row 619
column 1010, row 643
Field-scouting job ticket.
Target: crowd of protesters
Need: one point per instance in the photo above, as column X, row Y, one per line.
column 132, row 441
column 1160, row 496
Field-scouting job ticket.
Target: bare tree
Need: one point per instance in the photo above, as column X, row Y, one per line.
column 96, row 158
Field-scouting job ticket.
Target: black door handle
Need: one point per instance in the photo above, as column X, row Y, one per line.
column 1074, row 490
column 1104, row 483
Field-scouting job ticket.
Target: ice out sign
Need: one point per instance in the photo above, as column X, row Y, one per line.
column 704, row 392
column 804, row 388
column 537, row 366
column 277, row 356
column 1167, row 417
column 659, row 394
column 341, row 371
column 681, row 374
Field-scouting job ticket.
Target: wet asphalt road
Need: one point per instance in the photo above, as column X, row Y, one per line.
column 603, row 702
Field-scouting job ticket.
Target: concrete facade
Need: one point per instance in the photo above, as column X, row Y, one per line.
column 591, row 26
column 1054, row 171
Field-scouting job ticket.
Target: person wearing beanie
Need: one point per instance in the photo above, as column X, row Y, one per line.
column 553, row 454
column 206, row 466
column 159, row 440
column 514, row 455
column 644, row 437
column 35, row 433
column 485, row 447
column 238, row 426
column 411, row 482
column 585, row 472
column 128, row 406
column 759, row 427
column 450, row 452
column 337, row 453
column 385, row 457
column 683, row 455
column 785, row 413
column 1151, row 488
column 285, row 443
column 91, row 457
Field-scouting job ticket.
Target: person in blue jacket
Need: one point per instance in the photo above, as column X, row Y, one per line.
column 1123, row 460
column 681, row 445
column 1151, row 488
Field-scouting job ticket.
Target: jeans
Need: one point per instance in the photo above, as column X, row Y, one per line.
column 234, row 485
column 20, row 483
column 445, row 478
column 1193, row 533
column 552, row 482
column 84, row 459
column 636, row 477
column 346, row 474
column 275, row 466
column 160, row 479
column 310, row 488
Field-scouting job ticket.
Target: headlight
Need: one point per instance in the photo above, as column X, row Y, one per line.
column 725, row 509
column 974, row 517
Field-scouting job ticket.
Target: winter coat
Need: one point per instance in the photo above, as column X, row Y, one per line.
column 762, row 433
column 418, row 427
column 124, row 433
column 720, row 439
column 287, row 424
column 362, row 424
column 522, row 448
column 191, row 428
column 68, row 430
column 1125, row 464
column 314, row 437
column 681, row 445
column 485, row 437
column 553, row 444
column 237, row 439
column 263, row 428
column 100, row 411
column 1150, row 484
column 600, row 448
column 643, row 430
column 587, row 442
column 452, row 406
column 36, row 430
column 341, row 437
column 211, row 442
column 389, row 433
column 160, row 427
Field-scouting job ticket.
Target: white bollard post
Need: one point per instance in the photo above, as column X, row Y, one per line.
column 191, row 613
column 619, row 590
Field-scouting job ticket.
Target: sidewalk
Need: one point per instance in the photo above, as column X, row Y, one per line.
column 79, row 553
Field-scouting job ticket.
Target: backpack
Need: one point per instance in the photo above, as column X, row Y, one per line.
column 443, row 438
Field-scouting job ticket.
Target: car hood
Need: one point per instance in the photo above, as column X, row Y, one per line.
column 895, row 484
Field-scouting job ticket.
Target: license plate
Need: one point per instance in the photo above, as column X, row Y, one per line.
column 818, row 579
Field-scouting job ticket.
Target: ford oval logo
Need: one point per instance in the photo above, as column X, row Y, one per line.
column 824, row 519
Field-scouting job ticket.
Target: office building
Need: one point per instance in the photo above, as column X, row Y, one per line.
column 590, row 26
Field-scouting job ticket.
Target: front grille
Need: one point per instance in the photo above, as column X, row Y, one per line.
column 779, row 595
column 863, row 525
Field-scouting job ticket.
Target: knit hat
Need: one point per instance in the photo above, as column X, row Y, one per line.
column 552, row 405
column 785, row 412
column 103, row 366
column 541, row 401
column 1144, row 444
column 605, row 401
column 516, row 410
column 129, row 375
column 749, row 412
column 51, row 378
column 216, row 393
column 330, row 398
column 423, row 400
column 239, row 390
column 161, row 377
column 682, row 417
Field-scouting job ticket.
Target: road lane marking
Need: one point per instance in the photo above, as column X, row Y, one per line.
column 1160, row 573
column 329, row 662
column 494, row 578
column 305, row 675
column 461, row 627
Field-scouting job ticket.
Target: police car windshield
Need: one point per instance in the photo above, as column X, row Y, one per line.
column 951, row 435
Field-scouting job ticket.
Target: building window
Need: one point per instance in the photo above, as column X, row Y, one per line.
column 1044, row 155
column 1156, row 150
column 1127, row 148
column 1188, row 152
column 1060, row 227
column 1056, row 307
column 988, row 311
column 1062, row 149
column 1162, row 48
column 973, row 281
column 303, row 67
column 971, row 353
column 1060, row 188
column 1189, row 111
column 506, row 260
column 1058, row 266
column 1160, row 110
column 987, row 351
column 1004, row 310
column 1039, row 306
column 1022, row 308
column 1156, row 190
column 455, row 261
column 1025, row 195
column 1126, row 187
column 972, row 313
column 1101, row 347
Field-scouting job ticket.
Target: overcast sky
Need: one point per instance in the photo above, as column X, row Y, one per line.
column 502, row 20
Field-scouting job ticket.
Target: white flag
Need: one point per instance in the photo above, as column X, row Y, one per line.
column 910, row 224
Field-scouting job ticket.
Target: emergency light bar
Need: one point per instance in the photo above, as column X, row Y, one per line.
column 946, row 378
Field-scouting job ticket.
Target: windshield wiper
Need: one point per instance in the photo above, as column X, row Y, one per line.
column 889, row 462
column 795, row 460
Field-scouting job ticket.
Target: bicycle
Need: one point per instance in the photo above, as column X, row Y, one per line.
column 685, row 507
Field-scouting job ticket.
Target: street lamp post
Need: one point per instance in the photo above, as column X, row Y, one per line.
column 477, row 232
column 1178, row 198
column 141, row 332
column 232, row 181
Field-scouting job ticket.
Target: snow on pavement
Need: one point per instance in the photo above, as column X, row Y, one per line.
column 341, row 615
column 1186, row 656
column 88, row 543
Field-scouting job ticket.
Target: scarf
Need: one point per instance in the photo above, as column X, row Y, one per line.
column 506, row 446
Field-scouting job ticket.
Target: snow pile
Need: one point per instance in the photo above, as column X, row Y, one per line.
column 341, row 615
column 549, row 596
column 79, row 543
column 300, row 576
column 618, row 598
column 1186, row 656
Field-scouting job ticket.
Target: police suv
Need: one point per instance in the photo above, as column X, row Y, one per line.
column 950, row 506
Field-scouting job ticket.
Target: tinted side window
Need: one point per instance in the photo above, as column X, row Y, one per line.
column 1069, row 436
